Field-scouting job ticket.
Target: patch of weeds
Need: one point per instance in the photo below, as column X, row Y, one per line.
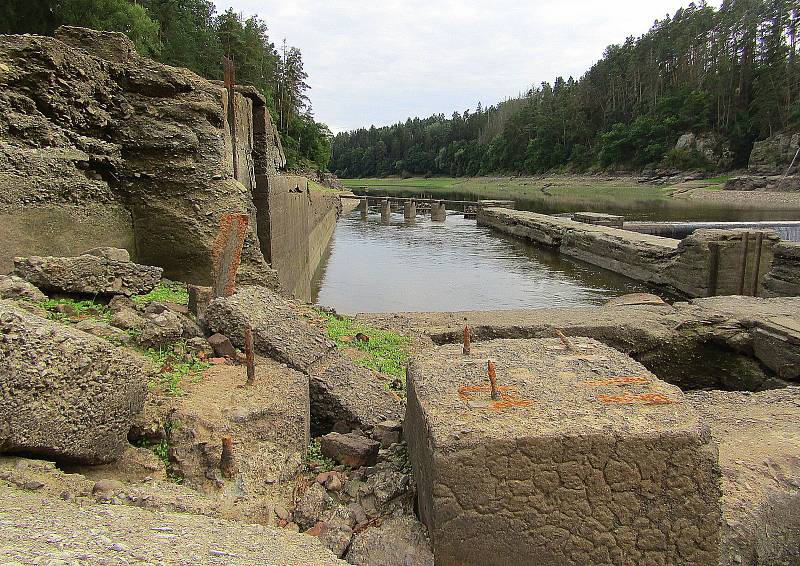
column 68, row 310
column 385, row 351
column 161, row 450
column 167, row 291
column 315, row 459
column 175, row 366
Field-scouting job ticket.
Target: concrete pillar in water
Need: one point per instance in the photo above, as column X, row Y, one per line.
column 410, row 210
column 364, row 208
column 438, row 212
column 386, row 210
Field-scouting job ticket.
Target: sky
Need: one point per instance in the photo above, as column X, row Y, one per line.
column 380, row 62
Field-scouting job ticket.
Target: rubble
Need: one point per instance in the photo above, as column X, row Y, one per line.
column 350, row 449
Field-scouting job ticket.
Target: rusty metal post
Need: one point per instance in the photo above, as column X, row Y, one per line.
column 226, row 253
column 713, row 268
column 493, row 380
column 467, row 339
column 566, row 341
column 248, row 350
column 743, row 261
column 227, row 463
column 757, row 266
column 229, row 72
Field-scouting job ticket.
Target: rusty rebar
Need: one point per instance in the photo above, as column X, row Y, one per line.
column 227, row 463
column 493, row 380
column 566, row 341
column 467, row 339
column 248, row 350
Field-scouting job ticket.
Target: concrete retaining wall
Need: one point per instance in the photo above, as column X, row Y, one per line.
column 783, row 279
column 706, row 263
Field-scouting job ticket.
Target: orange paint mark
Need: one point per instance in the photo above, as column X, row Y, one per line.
column 644, row 398
column 617, row 381
column 508, row 396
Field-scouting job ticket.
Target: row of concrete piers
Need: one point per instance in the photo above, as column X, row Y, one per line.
column 437, row 210
column 436, row 207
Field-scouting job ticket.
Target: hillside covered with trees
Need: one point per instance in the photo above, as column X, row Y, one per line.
column 729, row 74
column 189, row 33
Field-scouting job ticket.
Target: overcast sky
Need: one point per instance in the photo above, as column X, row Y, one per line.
column 381, row 62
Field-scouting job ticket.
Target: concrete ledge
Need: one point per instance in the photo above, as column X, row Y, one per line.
column 586, row 459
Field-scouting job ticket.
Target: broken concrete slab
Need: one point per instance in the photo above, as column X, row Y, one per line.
column 341, row 391
column 66, row 394
column 88, row 274
column 13, row 287
column 400, row 541
column 222, row 346
column 759, row 443
column 586, row 458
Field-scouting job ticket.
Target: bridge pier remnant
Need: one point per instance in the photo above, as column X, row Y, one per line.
column 410, row 210
column 438, row 211
column 582, row 457
column 386, row 210
column 364, row 208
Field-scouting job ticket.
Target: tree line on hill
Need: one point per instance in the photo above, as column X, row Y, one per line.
column 189, row 33
column 731, row 74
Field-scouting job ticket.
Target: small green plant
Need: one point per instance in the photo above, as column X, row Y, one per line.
column 161, row 450
column 175, row 367
column 65, row 309
column 168, row 291
column 385, row 351
column 315, row 459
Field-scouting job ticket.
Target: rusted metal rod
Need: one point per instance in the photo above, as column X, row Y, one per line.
column 227, row 463
column 493, row 380
column 566, row 341
column 248, row 350
column 467, row 339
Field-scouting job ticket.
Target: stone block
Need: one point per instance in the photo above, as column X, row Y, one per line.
column 350, row 449
column 222, row 346
column 585, row 458
column 88, row 274
column 65, row 394
column 199, row 299
column 599, row 219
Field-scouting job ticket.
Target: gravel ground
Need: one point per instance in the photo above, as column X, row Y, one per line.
column 36, row 529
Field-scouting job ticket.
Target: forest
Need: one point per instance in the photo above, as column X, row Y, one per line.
column 189, row 33
column 728, row 74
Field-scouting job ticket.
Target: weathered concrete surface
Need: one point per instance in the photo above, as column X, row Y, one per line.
column 400, row 541
column 13, row 287
column 708, row 342
column 88, row 274
column 566, row 468
column 267, row 421
column 115, row 149
column 340, row 390
column 708, row 262
column 65, row 394
column 37, row 528
column 759, row 445
column 783, row 279
column 294, row 227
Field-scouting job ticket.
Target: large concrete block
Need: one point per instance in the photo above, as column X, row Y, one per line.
column 65, row 394
column 586, row 458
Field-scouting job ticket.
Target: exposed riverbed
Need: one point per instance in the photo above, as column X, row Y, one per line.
column 456, row 265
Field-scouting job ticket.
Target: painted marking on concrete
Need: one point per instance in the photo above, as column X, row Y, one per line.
column 226, row 255
column 618, row 381
column 508, row 397
column 642, row 398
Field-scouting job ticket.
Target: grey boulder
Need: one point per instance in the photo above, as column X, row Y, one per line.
column 396, row 542
column 65, row 394
column 13, row 287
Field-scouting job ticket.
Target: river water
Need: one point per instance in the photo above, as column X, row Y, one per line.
column 454, row 265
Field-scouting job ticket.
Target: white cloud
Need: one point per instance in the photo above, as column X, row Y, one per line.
column 381, row 62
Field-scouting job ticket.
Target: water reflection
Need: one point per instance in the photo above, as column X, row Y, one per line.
column 432, row 266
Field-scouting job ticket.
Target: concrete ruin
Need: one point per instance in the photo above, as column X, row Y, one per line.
column 100, row 146
column 706, row 263
column 584, row 457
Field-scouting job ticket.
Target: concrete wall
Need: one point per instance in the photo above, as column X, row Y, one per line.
column 294, row 228
column 783, row 279
column 706, row 263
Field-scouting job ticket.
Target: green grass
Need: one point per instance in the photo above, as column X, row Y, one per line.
column 315, row 459
column 316, row 187
column 172, row 292
column 385, row 352
column 77, row 309
column 161, row 450
column 174, row 368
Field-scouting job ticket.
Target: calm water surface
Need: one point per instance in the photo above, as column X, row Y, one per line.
column 452, row 265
